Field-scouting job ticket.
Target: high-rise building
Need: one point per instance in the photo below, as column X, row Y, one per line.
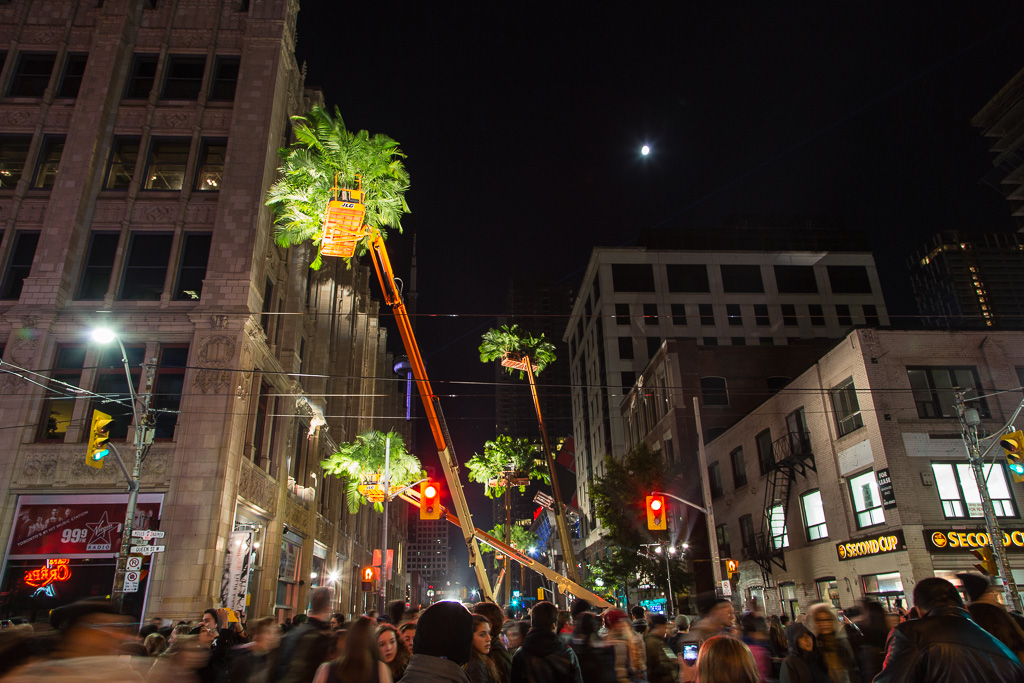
column 964, row 279
column 743, row 285
column 429, row 546
column 1001, row 120
column 137, row 141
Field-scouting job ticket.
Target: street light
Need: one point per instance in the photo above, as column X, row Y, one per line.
column 142, row 441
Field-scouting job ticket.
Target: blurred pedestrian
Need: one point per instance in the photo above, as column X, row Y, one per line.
column 723, row 659
column 393, row 651
column 996, row 620
column 544, row 658
column 180, row 662
column 442, row 646
column 682, row 628
column 498, row 653
column 754, row 634
column 255, row 661
column 306, row 646
column 630, row 663
column 661, row 661
column 360, row 662
column 639, row 620
column 869, row 643
column 337, row 621
column 480, row 668
column 802, row 664
column 833, row 645
column 155, row 644
column 717, row 618
column 396, row 612
column 597, row 661
column 515, row 632
column 777, row 637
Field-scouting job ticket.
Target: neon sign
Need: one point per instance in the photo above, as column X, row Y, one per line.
column 57, row 569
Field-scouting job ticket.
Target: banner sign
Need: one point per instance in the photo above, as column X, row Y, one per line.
column 234, row 582
column 887, row 542
column 87, row 526
column 885, row 489
column 949, row 540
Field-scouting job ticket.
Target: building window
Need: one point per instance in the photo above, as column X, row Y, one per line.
column 650, row 314
column 632, row 277
column 60, row 404
column 958, row 490
column 31, row 74
column 49, row 162
column 722, row 533
column 766, row 341
column 713, row 433
column 733, row 315
column 715, row 480
column 140, row 79
column 628, row 379
column 846, row 407
column 621, row 314
column 99, row 265
column 146, row 267
column 709, row 341
column 678, row 314
column 777, row 526
column 19, row 264
column 707, row 314
column 688, row 277
column 225, row 78
column 13, row 154
column 814, row 516
column 849, row 279
column 747, row 532
column 211, row 165
column 713, row 391
column 124, row 152
column 935, row 390
column 167, row 163
column 777, row 384
column 653, row 345
column 765, row 457
column 761, row 318
column 738, row 341
column 817, row 315
column 867, row 502
column 192, row 270
column 71, row 79
column 843, row 314
column 170, row 380
column 795, row 280
column 739, row 468
column 184, row 78
column 112, row 384
column 626, row 348
column 870, row 314
column 742, row 279
column 789, row 315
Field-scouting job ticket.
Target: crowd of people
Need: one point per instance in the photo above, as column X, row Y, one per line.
column 939, row 640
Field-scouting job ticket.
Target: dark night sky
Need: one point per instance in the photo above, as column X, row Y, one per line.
column 522, row 124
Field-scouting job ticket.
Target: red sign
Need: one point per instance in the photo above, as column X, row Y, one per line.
column 55, row 570
column 83, row 526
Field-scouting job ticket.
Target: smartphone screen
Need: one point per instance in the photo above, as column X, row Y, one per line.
column 690, row 652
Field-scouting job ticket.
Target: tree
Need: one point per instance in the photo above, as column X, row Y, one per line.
column 503, row 456
column 325, row 151
column 499, row 342
column 362, row 461
column 522, row 539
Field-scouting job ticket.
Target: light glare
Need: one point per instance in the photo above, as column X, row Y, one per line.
column 103, row 335
column 645, row 150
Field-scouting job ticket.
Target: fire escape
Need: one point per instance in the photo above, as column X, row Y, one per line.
column 791, row 456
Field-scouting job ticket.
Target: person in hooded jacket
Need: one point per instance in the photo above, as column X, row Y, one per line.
column 544, row 658
column 442, row 646
column 832, row 644
column 802, row 664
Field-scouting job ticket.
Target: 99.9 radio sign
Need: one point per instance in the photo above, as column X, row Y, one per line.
column 76, row 525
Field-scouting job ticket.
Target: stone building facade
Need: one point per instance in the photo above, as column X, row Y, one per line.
column 137, row 140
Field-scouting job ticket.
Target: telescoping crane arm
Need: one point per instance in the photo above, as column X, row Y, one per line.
column 564, row 584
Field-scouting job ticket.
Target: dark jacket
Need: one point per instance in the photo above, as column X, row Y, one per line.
column 428, row 669
column 661, row 661
column 302, row 651
column 800, row 666
column 945, row 645
column 597, row 662
column 544, row 658
column 502, row 659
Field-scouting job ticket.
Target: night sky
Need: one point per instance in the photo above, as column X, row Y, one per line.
column 522, row 124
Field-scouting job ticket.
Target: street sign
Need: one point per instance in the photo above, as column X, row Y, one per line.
column 147, row 534
column 726, row 589
column 147, row 549
column 131, row 582
column 544, row 500
column 134, row 564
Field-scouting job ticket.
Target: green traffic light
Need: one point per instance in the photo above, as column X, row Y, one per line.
column 1017, row 468
column 99, row 455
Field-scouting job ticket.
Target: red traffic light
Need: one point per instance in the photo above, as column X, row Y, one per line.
column 656, row 520
column 656, row 504
column 430, row 491
column 430, row 500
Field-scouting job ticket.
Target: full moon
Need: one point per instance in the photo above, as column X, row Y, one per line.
column 645, row 150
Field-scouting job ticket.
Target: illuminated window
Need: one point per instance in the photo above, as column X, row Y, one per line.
column 167, row 163
column 49, row 162
column 124, row 152
column 211, row 165
column 867, row 501
column 958, row 490
column 814, row 516
column 60, row 404
column 777, row 526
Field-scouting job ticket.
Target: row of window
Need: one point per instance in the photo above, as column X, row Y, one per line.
column 143, row 275
column 183, row 78
column 733, row 313
column 166, row 165
column 740, row 278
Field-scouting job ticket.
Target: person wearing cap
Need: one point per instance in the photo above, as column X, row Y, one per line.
column 983, row 589
column 544, row 658
column 442, row 645
column 661, row 661
column 630, row 653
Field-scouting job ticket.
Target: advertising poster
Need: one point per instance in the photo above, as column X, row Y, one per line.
column 234, row 582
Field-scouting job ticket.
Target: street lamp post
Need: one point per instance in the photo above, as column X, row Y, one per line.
column 143, row 425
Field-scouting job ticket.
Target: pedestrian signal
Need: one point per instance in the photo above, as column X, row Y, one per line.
column 368, row 575
column 987, row 563
column 732, row 568
column 1013, row 446
column 656, row 513
column 430, row 500
column 99, row 436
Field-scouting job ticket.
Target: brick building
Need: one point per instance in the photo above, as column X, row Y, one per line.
column 853, row 480
column 137, row 140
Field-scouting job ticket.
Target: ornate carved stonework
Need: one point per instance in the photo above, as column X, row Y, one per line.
column 155, row 213
column 204, row 214
column 44, row 36
column 21, row 353
column 130, row 118
column 20, row 118
column 108, row 212
column 215, row 355
column 58, row 118
column 174, row 119
column 219, row 322
column 32, row 212
column 324, row 530
column 63, row 465
column 296, row 513
column 257, row 487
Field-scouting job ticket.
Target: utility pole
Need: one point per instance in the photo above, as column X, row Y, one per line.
column 970, row 420
column 384, row 529
column 708, row 509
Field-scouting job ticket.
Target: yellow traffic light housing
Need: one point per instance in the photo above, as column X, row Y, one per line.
column 1013, row 446
column 656, row 518
column 367, row 576
column 987, row 563
column 430, row 500
column 732, row 568
column 99, row 436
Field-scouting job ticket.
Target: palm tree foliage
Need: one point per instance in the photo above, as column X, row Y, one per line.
column 496, row 343
column 503, row 455
column 362, row 461
column 522, row 539
column 324, row 148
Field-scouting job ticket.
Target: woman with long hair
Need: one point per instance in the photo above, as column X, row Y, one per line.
column 480, row 668
column 725, row 660
column 360, row 662
column 393, row 650
column 833, row 646
column 996, row 620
